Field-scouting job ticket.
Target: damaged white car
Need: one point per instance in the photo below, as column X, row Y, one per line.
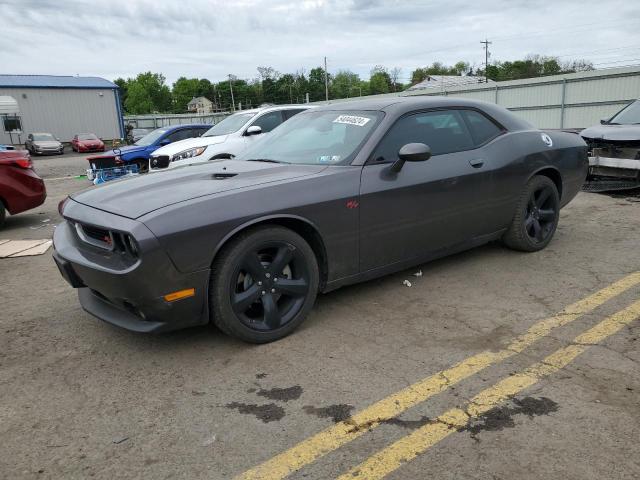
column 614, row 151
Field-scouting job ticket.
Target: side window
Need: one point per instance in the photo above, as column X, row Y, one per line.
column 482, row 129
column 290, row 113
column 179, row 135
column 268, row 121
column 443, row 131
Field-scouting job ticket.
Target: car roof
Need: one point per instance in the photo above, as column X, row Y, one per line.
column 186, row 125
column 268, row 108
column 397, row 106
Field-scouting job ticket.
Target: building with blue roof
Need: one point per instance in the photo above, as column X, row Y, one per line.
column 61, row 105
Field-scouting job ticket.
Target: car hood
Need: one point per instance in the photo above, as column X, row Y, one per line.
column 134, row 197
column 123, row 150
column 613, row 132
column 89, row 142
column 47, row 143
column 182, row 145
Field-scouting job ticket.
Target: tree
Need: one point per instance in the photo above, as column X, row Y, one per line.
column 147, row 93
column 533, row 66
column 394, row 75
column 123, row 86
column 379, row 81
column 345, row 84
column 184, row 90
column 316, row 84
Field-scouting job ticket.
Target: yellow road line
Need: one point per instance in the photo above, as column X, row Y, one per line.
column 344, row 432
column 407, row 448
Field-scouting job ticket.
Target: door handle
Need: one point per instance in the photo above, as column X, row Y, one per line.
column 476, row 162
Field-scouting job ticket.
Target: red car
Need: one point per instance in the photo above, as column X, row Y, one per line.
column 87, row 142
column 20, row 186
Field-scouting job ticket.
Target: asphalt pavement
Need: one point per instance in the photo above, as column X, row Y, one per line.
column 494, row 364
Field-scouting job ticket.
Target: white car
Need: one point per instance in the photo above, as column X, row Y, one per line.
column 225, row 139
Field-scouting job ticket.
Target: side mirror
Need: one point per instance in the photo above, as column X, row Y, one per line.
column 411, row 152
column 604, row 121
column 164, row 141
column 253, row 130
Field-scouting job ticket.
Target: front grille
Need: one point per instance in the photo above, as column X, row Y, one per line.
column 108, row 239
column 161, row 161
column 96, row 236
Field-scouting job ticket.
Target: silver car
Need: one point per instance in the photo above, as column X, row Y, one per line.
column 43, row 144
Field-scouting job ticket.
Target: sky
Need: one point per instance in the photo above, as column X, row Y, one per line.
column 211, row 39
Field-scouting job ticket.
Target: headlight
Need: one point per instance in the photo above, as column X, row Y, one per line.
column 192, row 152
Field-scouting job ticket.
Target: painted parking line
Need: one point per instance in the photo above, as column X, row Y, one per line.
column 328, row 440
column 409, row 447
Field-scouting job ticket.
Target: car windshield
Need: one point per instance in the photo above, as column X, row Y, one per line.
column 43, row 137
column 628, row 115
column 316, row 138
column 231, row 124
column 151, row 137
column 87, row 136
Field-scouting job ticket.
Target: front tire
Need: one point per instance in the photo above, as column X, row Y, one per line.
column 263, row 284
column 536, row 218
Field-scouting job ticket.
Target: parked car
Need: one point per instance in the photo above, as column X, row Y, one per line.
column 139, row 152
column 21, row 188
column 225, row 139
column 138, row 133
column 337, row 195
column 7, row 147
column 614, row 150
column 87, row 142
column 43, row 143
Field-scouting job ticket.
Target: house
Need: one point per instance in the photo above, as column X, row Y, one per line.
column 200, row 105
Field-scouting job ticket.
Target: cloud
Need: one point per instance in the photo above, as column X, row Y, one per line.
column 209, row 39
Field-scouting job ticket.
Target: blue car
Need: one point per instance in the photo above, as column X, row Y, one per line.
column 139, row 152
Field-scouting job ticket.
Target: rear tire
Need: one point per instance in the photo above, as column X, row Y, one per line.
column 3, row 214
column 536, row 218
column 263, row 284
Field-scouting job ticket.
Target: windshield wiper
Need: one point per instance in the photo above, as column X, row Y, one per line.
column 266, row 160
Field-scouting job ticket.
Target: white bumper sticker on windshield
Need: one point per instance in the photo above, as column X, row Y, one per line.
column 352, row 120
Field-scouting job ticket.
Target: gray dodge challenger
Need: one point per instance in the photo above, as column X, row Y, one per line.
column 336, row 195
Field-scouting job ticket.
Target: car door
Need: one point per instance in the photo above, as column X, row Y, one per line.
column 494, row 203
column 427, row 206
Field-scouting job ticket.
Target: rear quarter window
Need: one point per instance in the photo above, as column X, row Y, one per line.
column 481, row 127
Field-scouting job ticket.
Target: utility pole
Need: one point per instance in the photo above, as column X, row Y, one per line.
column 233, row 103
column 326, row 81
column 486, row 44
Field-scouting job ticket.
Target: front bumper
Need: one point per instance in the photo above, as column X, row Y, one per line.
column 623, row 163
column 126, row 292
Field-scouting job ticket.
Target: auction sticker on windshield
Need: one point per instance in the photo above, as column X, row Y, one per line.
column 352, row 120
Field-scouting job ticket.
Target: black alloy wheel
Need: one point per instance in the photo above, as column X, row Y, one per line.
column 541, row 214
column 270, row 286
column 536, row 217
column 264, row 284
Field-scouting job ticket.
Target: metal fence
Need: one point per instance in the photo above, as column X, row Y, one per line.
column 575, row 100
column 157, row 120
